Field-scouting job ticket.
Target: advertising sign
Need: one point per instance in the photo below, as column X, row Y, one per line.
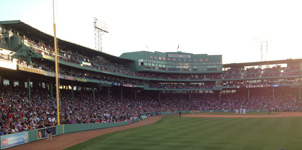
column 179, row 56
column 81, row 79
column 129, row 85
column 50, row 74
column 32, row 70
column 8, row 64
column 70, row 78
column 86, row 63
column 116, row 84
column 14, row 139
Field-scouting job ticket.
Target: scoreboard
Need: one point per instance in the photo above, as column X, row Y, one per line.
column 177, row 61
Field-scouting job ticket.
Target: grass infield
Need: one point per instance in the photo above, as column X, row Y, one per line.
column 174, row 133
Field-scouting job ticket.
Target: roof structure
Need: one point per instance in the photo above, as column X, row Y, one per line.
column 262, row 63
column 24, row 28
column 30, row 31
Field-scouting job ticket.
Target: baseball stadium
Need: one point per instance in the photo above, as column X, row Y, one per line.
column 170, row 75
column 142, row 99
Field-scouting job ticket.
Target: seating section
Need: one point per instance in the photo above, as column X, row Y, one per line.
column 18, row 113
column 178, row 91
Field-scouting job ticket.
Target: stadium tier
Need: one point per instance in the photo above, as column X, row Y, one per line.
column 98, row 88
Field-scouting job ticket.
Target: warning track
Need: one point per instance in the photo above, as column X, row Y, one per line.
column 68, row 140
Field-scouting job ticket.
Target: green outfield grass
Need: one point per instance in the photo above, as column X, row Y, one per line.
column 174, row 133
column 233, row 113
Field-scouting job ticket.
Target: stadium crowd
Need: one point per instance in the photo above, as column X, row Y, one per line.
column 264, row 83
column 18, row 113
column 46, row 66
column 104, row 77
column 256, row 72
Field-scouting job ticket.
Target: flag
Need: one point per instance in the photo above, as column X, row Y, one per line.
column 151, row 57
column 206, row 59
column 177, row 47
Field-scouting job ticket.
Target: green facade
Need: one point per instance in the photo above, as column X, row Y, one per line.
column 175, row 62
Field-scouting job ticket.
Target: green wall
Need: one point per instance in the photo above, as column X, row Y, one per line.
column 70, row 128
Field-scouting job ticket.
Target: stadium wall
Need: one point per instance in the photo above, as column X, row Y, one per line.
column 228, row 111
column 16, row 139
column 39, row 134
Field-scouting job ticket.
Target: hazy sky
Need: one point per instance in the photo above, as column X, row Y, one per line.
column 227, row 27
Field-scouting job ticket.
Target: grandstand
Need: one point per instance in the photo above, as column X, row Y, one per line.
column 100, row 88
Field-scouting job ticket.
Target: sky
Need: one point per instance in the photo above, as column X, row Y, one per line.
column 231, row 28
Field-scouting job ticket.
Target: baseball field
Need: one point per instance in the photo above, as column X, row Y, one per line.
column 204, row 132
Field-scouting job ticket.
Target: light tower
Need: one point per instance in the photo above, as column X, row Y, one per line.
column 263, row 47
column 99, row 29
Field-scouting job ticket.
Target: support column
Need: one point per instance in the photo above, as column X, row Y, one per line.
column 135, row 95
column 190, row 96
column 108, row 94
column 300, row 93
column 220, row 92
column 36, row 85
column 29, row 90
column 1, row 81
column 93, row 94
column 248, row 94
column 122, row 93
column 272, row 99
column 51, row 90
column 11, row 82
column 21, row 83
column 158, row 96
column 72, row 93
column 273, row 93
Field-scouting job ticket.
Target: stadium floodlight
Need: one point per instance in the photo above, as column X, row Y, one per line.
column 263, row 51
column 99, row 29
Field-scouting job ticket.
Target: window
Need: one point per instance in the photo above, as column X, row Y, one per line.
column 16, row 83
column 5, row 82
column 43, row 85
